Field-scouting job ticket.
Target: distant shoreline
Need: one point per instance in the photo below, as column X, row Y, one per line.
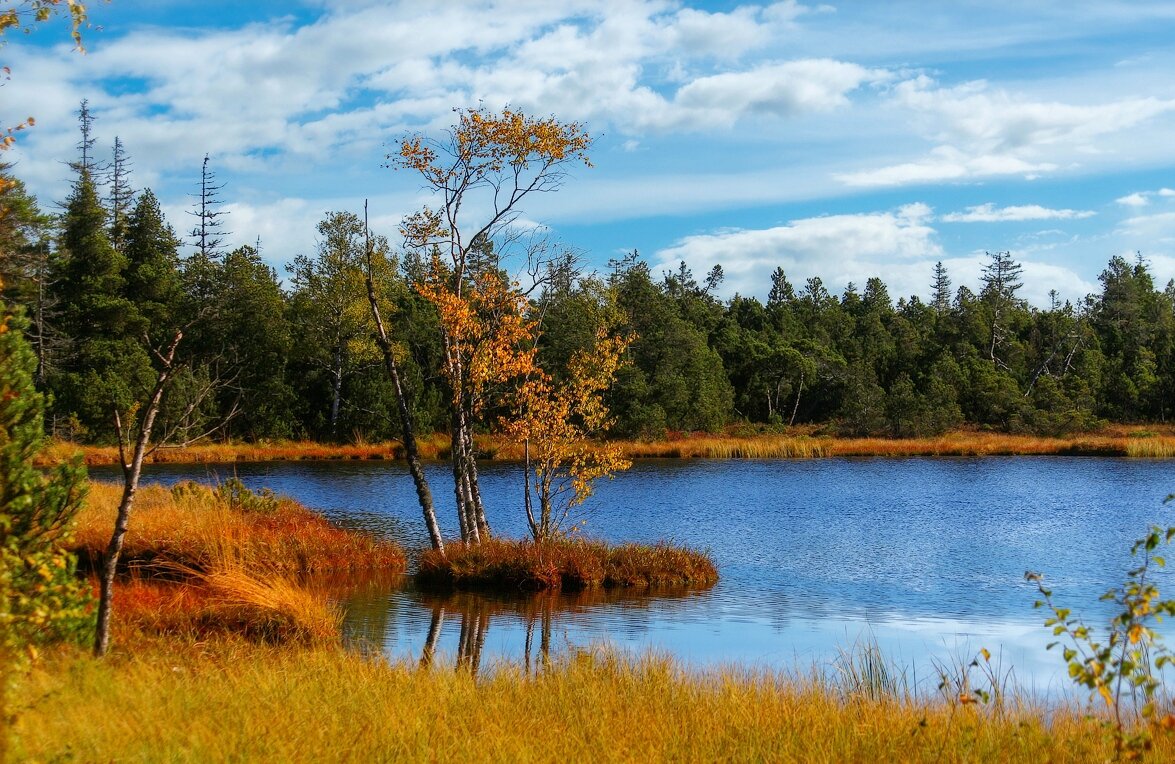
column 1148, row 441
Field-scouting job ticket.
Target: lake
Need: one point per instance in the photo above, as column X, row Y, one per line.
column 924, row 556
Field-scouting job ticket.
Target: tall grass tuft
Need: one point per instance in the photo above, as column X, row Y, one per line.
column 565, row 565
column 271, row 609
column 863, row 672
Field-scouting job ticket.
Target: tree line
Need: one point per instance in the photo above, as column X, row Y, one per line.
column 294, row 354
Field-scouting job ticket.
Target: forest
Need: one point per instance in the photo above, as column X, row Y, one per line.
column 293, row 354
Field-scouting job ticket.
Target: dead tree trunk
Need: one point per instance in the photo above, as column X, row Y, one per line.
column 131, row 472
column 796, row 407
column 336, row 390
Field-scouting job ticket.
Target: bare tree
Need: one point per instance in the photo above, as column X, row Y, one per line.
column 207, row 235
column 138, row 438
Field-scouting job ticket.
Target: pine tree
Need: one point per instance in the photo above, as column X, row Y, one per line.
column 1001, row 279
column 782, row 291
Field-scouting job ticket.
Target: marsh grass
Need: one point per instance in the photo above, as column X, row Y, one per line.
column 1151, row 447
column 222, row 560
column 233, row 700
column 196, row 527
column 565, row 565
column 801, row 442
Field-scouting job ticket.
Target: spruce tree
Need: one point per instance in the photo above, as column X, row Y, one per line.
column 105, row 366
column 941, row 287
column 152, row 275
column 122, row 196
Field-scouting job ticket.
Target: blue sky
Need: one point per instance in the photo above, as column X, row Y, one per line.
column 840, row 140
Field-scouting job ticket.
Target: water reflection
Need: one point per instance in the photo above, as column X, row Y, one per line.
column 532, row 627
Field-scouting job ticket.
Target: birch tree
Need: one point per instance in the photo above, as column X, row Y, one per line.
column 556, row 422
column 480, row 171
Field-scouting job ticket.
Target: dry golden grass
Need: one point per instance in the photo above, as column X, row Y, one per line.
column 565, row 565
column 234, row 701
column 800, row 442
column 952, row 444
column 434, row 446
column 200, row 562
column 224, row 601
column 194, row 527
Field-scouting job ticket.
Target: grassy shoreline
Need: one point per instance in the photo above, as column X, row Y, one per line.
column 1153, row 441
column 228, row 700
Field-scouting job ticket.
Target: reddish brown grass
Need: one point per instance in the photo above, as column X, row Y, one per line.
column 224, row 602
column 193, row 528
column 565, row 565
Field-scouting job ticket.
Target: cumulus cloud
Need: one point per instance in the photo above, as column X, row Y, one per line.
column 1143, row 198
column 989, row 213
column 837, row 248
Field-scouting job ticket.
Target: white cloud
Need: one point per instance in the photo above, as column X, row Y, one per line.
column 983, row 131
column 1143, row 198
column 944, row 163
column 1137, row 199
column 989, row 213
column 780, row 90
column 837, row 248
column 1157, row 228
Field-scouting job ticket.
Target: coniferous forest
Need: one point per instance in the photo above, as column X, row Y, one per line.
column 292, row 355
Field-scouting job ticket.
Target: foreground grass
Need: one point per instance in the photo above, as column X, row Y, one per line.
column 235, row 701
column 1156, row 441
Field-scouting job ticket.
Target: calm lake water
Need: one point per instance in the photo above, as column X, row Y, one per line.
column 924, row 556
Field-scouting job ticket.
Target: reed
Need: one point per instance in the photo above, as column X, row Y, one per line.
column 1154, row 447
column 238, row 701
column 864, row 672
column 197, row 527
column 565, row 565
